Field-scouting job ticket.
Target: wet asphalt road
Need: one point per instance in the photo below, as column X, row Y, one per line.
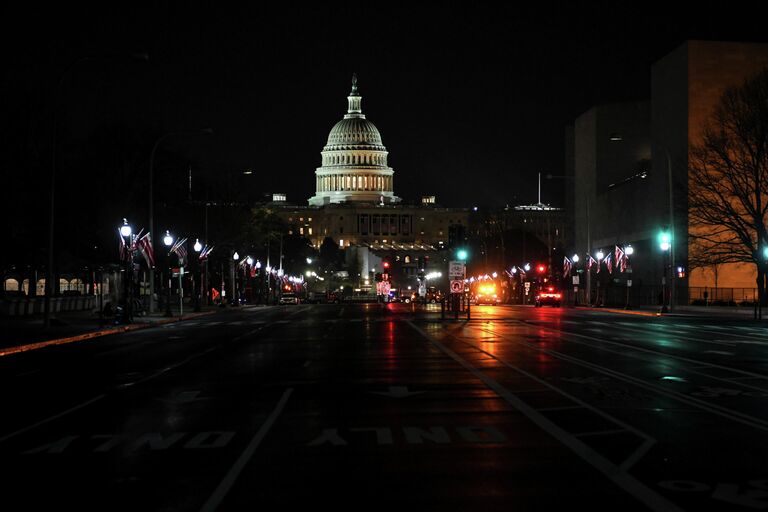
column 373, row 407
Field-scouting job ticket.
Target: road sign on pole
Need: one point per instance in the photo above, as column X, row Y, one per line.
column 457, row 270
column 457, row 286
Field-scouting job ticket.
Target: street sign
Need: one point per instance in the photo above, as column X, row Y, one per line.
column 629, row 282
column 457, row 270
column 575, row 280
column 457, row 286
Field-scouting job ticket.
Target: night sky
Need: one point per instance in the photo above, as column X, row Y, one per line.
column 471, row 101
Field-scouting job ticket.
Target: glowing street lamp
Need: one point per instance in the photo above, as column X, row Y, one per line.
column 125, row 229
column 168, row 242
column 125, row 233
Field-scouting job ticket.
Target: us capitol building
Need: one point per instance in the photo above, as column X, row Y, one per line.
column 356, row 206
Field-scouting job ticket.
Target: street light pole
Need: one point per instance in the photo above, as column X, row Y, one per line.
column 671, row 232
column 160, row 139
column 168, row 242
column 197, row 279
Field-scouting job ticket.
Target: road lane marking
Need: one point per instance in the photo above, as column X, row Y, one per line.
column 730, row 414
column 51, row 418
column 614, row 473
column 624, row 346
column 229, row 480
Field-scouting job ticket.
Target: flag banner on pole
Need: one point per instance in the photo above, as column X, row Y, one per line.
column 180, row 250
column 144, row 246
column 566, row 266
column 205, row 252
column 123, row 250
column 620, row 255
column 591, row 261
column 609, row 263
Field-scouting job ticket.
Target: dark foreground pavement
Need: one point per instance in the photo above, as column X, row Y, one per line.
column 374, row 407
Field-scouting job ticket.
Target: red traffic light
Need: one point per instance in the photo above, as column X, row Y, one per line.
column 540, row 268
column 385, row 264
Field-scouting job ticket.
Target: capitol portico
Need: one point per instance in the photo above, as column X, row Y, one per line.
column 354, row 161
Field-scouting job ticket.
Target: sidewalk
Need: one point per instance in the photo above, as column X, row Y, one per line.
column 22, row 333
column 739, row 313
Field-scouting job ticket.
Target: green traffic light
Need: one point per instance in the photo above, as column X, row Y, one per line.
column 462, row 254
column 664, row 240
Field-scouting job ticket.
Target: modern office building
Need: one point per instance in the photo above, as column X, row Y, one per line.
column 624, row 157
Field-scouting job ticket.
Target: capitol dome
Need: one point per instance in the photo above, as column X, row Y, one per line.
column 354, row 131
column 354, row 161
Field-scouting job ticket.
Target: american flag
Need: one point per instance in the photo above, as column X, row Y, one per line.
column 180, row 250
column 566, row 266
column 144, row 246
column 609, row 263
column 591, row 261
column 205, row 252
column 122, row 248
column 620, row 258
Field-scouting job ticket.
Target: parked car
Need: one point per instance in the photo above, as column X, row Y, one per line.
column 289, row 298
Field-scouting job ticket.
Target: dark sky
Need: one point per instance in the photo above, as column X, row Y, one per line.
column 471, row 100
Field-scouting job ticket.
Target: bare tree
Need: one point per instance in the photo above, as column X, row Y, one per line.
column 728, row 180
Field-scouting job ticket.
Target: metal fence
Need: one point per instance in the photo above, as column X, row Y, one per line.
column 617, row 296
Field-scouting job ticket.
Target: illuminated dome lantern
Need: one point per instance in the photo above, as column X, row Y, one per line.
column 354, row 161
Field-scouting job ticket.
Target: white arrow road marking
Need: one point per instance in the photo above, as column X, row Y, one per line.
column 750, row 498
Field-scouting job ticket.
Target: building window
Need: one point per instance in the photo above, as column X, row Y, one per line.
column 301, row 231
column 310, row 230
column 407, row 259
column 341, row 243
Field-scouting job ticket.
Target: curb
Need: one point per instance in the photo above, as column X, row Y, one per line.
column 97, row 334
column 637, row 312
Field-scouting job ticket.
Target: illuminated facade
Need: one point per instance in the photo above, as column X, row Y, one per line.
column 624, row 156
column 686, row 86
column 354, row 161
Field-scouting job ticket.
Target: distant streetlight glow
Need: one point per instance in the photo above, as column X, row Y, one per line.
column 575, row 258
column 235, row 256
column 198, row 246
column 168, row 239
column 249, row 260
column 629, row 250
column 600, row 255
